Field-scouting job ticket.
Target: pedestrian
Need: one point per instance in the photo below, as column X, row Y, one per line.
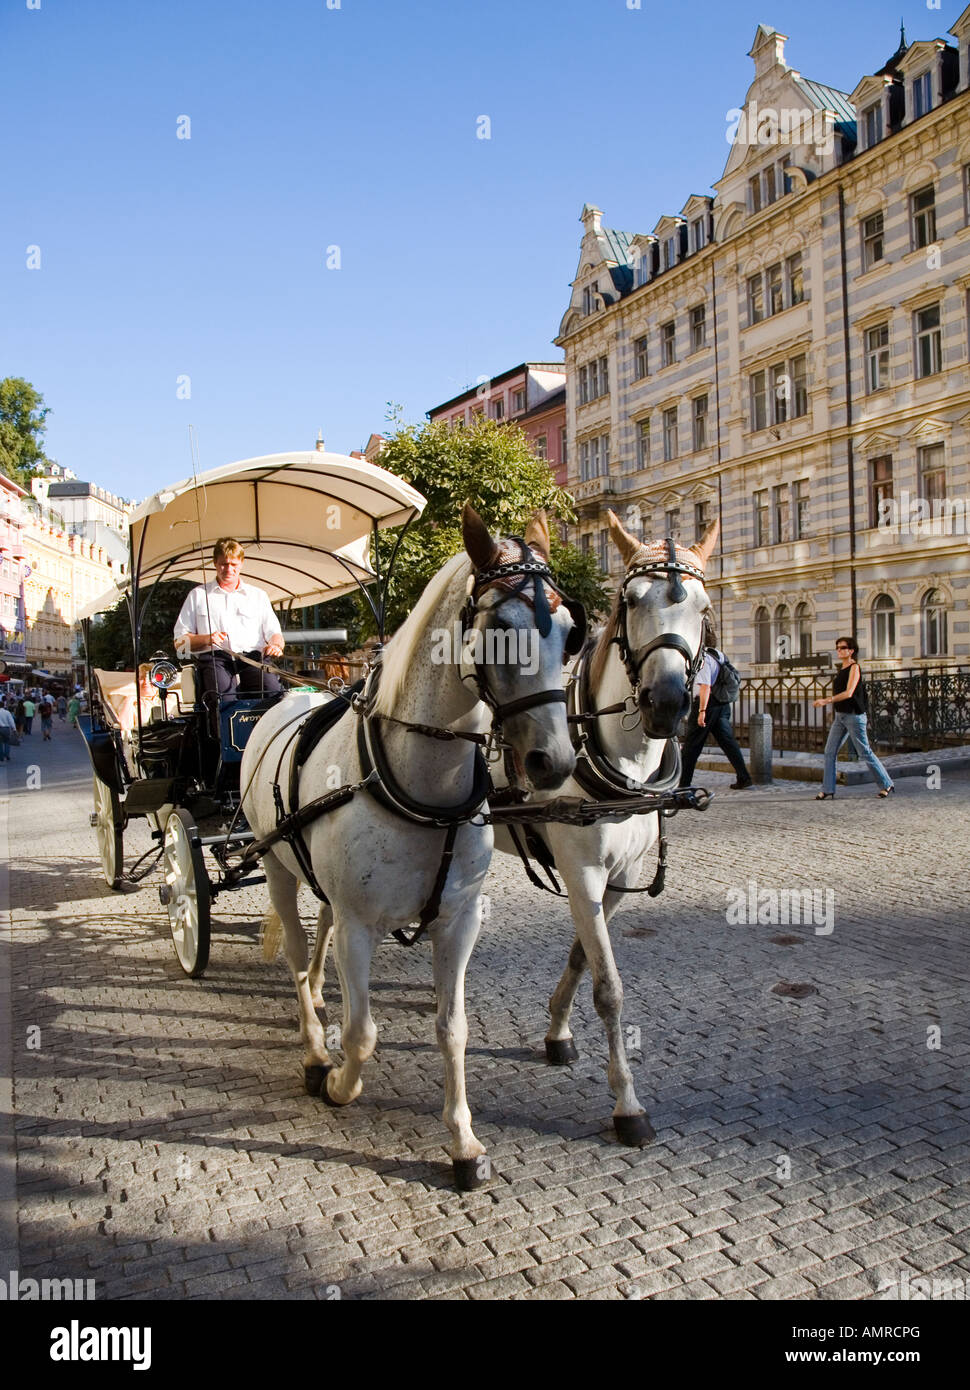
column 29, row 710
column 47, row 719
column 850, row 719
column 715, row 690
column 8, row 728
column 20, row 717
column 73, row 710
column 61, row 707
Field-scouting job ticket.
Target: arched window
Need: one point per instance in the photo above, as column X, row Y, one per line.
column 762, row 636
column 783, row 643
column 933, row 624
column 883, row 627
column 803, row 629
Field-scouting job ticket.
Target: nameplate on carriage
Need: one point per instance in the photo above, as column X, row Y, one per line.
column 241, row 724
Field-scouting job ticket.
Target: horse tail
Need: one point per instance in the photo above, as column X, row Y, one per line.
column 272, row 934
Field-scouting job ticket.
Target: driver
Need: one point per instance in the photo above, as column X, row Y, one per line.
column 227, row 616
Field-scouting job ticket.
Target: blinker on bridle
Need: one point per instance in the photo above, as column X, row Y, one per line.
column 535, row 574
column 673, row 568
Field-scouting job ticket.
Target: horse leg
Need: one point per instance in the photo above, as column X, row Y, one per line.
column 560, row 1048
column 319, row 960
column 283, row 888
column 353, row 947
column 630, row 1120
column 452, row 945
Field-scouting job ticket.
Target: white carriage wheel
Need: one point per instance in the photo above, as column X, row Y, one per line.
column 109, row 828
column 186, row 892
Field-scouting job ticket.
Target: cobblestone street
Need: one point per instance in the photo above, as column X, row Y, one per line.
column 809, row 1146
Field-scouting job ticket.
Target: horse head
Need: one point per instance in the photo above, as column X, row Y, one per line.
column 658, row 622
column 517, row 630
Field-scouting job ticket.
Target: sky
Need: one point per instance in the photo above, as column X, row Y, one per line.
column 334, row 235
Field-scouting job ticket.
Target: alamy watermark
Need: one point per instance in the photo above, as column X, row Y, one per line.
column 923, row 516
column 920, row 1287
column 755, row 905
column 496, row 646
column 15, row 1289
column 769, row 125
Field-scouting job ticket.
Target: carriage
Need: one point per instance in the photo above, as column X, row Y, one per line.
column 306, row 521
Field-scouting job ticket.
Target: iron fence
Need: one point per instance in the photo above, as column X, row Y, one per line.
column 908, row 710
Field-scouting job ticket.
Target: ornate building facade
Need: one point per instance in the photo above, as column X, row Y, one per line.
column 793, row 357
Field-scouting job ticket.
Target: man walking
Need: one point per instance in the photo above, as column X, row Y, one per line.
column 711, row 714
column 8, row 729
column 29, row 711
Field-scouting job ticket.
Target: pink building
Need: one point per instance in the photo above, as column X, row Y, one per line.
column 12, row 555
column 532, row 395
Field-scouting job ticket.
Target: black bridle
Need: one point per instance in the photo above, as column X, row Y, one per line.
column 673, row 568
column 533, row 574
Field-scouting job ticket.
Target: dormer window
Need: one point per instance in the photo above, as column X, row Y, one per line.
column 872, row 123
column 591, row 298
column 670, row 252
column 922, row 95
column 698, row 235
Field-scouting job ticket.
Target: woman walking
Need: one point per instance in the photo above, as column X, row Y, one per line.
column 46, row 718
column 850, row 720
column 73, row 710
column 20, row 718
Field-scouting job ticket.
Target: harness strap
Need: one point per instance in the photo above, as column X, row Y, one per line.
column 547, row 862
column 433, row 906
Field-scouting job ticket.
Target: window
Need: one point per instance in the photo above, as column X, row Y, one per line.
column 562, row 446
column 640, row 361
column 775, row 293
column 759, row 416
column 782, row 634
column 586, row 543
column 933, row 624
column 594, row 380
column 698, row 328
column 498, row 409
column 883, row 627
column 932, row 473
column 922, row 95
column 770, row 187
column 671, row 448
column 929, row 345
column 603, row 549
column 923, row 212
column 668, row 344
column 796, row 278
column 803, row 629
column 756, row 299
column 872, row 240
column 788, row 399
column 872, row 122
column 702, row 518
column 800, row 517
column 641, row 262
column 698, row 235
column 781, row 393
column 670, row 251
column 700, row 422
column 672, row 522
column 541, row 446
column 780, row 514
column 880, row 485
column 594, row 457
column 761, row 517
column 762, row 636
column 518, row 401
column 591, row 298
column 877, row 358
column 754, row 193
column 799, row 380
column 643, row 444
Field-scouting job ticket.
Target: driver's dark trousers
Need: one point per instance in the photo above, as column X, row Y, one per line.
column 718, row 725
column 229, row 678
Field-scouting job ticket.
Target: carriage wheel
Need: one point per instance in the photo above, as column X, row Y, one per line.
column 185, row 892
column 108, row 822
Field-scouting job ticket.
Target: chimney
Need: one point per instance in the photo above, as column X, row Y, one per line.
column 320, row 444
column 591, row 218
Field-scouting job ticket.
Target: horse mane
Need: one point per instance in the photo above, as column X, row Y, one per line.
column 402, row 647
column 601, row 651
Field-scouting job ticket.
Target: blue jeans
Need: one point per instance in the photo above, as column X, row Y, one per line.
column 851, row 726
column 4, row 745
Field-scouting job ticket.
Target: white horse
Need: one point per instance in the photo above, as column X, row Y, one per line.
column 651, row 644
column 381, row 868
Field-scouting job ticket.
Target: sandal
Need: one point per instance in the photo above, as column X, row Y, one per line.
column 825, row 796
column 886, row 792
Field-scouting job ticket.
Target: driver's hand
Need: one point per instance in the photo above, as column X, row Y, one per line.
column 273, row 648
column 219, row 639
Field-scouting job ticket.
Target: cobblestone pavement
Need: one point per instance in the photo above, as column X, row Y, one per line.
column 808, row 1147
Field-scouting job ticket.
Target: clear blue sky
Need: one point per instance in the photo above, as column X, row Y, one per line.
column 356, row 127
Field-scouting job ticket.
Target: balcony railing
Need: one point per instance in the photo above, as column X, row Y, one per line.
column 602, row 486
column 908, row 710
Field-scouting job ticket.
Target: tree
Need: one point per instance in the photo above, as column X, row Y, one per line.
column 111, row 635
column 23, row 417
column 492, row 466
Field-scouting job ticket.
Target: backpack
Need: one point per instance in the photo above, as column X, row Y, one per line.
column 727, row 685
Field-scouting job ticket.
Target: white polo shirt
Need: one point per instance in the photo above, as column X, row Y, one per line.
column 707, row 675
column 244, row 613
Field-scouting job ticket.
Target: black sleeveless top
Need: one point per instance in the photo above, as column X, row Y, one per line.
column 857, row 703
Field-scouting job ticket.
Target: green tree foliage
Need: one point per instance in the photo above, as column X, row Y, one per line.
column 23, row 416
column 111, row 636
column 492, row 466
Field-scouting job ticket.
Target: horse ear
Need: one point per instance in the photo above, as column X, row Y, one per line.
column 537, row 534
column 626, row 544
column 704, row 548
column 480, row 546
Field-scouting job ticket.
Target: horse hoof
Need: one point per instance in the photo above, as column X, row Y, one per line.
column 471, row 1172
column 314, row 1078
column 561, row 1052
column 633, row 1130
